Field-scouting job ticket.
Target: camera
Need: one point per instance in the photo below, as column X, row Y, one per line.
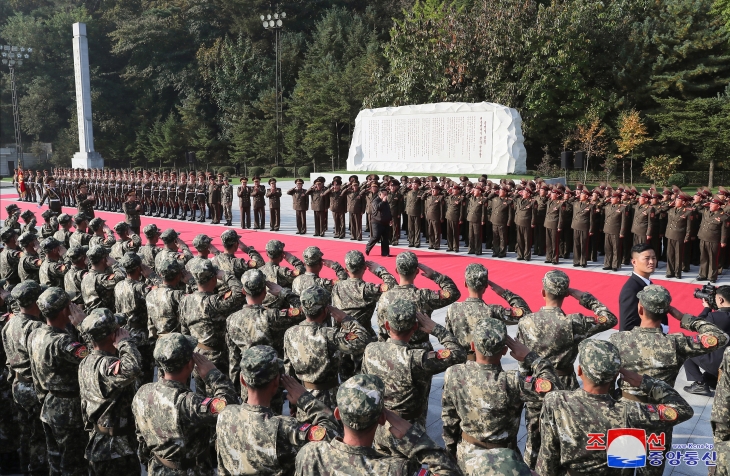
column 707, row 293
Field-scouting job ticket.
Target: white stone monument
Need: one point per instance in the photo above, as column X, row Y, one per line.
column 86, row 158
column 443, row 138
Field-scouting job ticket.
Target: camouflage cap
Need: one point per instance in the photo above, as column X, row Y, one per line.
column 27, row 214
column 121, row 227
column 130, row 261
column 97, row 254
column 230, row 237
column 260, row 365
column 100, row 324
column 50, row 243
column 202, row 241
column 135, row 242
column 64, row 218
column 655, row 299
column 203, row 270
column 274, row 248
column 52, row 301
column 11, row 208
column 174, row 350
column 476, row 276
column 169, row 267
column 497, row 462
column 401, row 315
column 7, row 234
column 151, row 230
column 80, row 217
column 254, row 282
column 556, row 282
column 27, row 292
column 48, row 214
column 406, row 263
column 314, row 299
column 599, row 360
column 96, row 223
column 312, row 255
column 27, row 238
column 360, row 401
column 489, row 336
column 76, row 252
column 354, row 261
column 169, row 236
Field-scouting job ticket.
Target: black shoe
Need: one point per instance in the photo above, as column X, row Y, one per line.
column 367, row 251
column 669, row 276
column 701, row 278
column 520, row 259
column 713, row 281
column 606, row 268
column 556, row 262
column 698, row 388
column 575, row 265
column 615, row 269
column 584, row 266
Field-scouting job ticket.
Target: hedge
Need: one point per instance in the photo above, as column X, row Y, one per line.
column 227, row 170
column 279, row 172
column 678, row 179
column 305, row 170
column 254, row 171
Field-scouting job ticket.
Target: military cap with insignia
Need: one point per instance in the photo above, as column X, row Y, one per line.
column 274, row 248
column 203, row 270
column 202, row 242
column 314, row 299
column 174, row 350
column 312, row 255
column 7, row 234
column 655, row 299
column 599, row 360
column 260, row 365
column 27, row 238
column 360, row 401
column 169, row 236
column 406, row 263
column 151, row 230
column 272, row 180
column 401, row 315
column 27, row 292
column 230, row 237
column 100, row 324
column 556, row 283
column 52, row 301
column 254, row 282
column 97, row 254
column 298, row 181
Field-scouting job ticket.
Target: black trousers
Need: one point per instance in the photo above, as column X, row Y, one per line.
column 379, row 232
column 694, row 368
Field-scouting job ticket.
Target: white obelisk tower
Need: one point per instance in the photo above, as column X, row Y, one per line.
column 86, row 158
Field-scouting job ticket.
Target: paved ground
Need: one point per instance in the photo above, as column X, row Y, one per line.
column 696, row 430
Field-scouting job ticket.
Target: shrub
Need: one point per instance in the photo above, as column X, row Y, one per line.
column 253, row 171
column 227, row 170
column 680, row 180
column 279, row 172
column 305, row 170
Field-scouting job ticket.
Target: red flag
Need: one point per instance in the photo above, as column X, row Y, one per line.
column 21, row 182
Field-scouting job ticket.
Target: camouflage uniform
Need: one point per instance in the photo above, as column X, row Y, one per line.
column 9, row 258
column 426, row 300
column 252, row 440
column 497, row 462
column 62, row 234
column 50, row 227
column 12, row 218
column 407, row 370
column 148, row 252
column 312, row 256
column 555, row 336
column 174, row 424
column 360, row 401
column 30, row 263
column 130, row 300
column 79, row 238
column 170, row 236
column 720, row 418
column 258, row 325
column 55, row 355
column 203, row 316
column 107, row 384
column 462, row 317
column 97, row 287
column 51, row 273
column 568, row 416
column 481, row 403
column 232, row 264
column 75, row 275
column 15, row 343
column 650, row 352
column 163, row 302
column 280, row 275
column 107, row 241
column 312, row 350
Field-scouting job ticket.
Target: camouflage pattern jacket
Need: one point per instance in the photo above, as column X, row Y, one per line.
column 163, row 310
column 308, row 280
column 29, row 267
column 64, row 236
column 79, row 238
column 107, row 242
column 107, row 389
column 649, row 351
column 335, row 457
column 282, row 276
column 130, row 300
column 72, row 283
column 9, row 260
column 485, row 402
column 555, row 336
column 252, row 440
column 52, row 273
column 568, row 417
column 238, row 266
column 15, row 335
column 183, row 255
column 462, row 317
column 426, row 301
column 358, row 298
column 97, row 288
column 176, row 424
column 148, row 253
column 720, row 418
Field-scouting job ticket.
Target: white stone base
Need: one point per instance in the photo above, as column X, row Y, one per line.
column 441, row 139
column 87, row 160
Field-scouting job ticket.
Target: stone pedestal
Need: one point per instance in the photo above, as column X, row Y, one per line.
column 87, row 160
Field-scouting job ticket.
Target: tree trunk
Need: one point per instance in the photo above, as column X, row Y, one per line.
column 631, row 169
column 623, row 171
column 712, row 173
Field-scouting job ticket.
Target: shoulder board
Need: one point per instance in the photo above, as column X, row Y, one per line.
column 384, row 287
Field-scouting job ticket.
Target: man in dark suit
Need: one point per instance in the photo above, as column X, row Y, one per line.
column 381, row 219
column 644, row 260
column 702, row 382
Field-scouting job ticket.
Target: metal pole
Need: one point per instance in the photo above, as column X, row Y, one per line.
column 16, row 118
column 276, row 87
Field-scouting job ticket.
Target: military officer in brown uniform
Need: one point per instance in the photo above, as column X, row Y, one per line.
column 615, row 226
column 414, row 210
column 583, row 226
column 244, row 202
column 646, row 220
column 476, row 209
column 678, row 234
column 553, row 225
column 214, row 199
column 525, row 221
column 300, row 205
column 501, row 219
column 435, row 211
column 338, row 206
column 542, row 199
column 274, row 196
column 713, row 237
column 258, row 194
column 355, row 204
column 397, row 208
column 455, row 216
column 319, row 206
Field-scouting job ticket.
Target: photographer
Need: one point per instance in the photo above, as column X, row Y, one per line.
column 702, row 382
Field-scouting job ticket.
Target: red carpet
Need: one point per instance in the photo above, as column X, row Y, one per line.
column 523, row 279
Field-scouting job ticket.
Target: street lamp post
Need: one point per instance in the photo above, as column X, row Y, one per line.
column 13, row 56
column 274, row 22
